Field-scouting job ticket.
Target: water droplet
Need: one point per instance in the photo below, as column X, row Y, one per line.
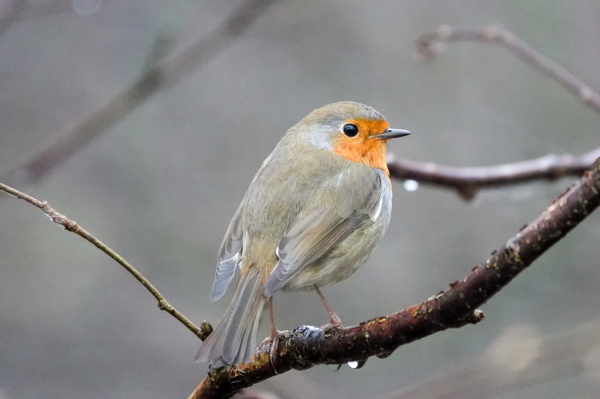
column 411, row 185
column 353, row 365
column 85, row 8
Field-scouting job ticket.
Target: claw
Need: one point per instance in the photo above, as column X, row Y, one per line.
column 335, row 321
column 273, row 351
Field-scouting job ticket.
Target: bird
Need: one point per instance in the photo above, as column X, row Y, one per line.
column 314, row 212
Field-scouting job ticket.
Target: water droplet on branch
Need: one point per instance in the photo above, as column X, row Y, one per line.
column 411, row 185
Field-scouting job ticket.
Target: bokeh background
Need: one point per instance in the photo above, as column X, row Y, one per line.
column 161, row 184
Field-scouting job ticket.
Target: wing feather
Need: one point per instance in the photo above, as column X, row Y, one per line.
column 229, row 256
column 313, row 234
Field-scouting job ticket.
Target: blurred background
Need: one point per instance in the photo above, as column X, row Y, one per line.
column 161, row 182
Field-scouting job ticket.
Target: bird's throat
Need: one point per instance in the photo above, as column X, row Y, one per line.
column 371, row 152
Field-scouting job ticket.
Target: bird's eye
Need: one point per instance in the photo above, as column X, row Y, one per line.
column 350, row 130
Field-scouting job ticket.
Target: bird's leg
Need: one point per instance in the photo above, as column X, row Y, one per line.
column 335, row 320
column 274, row 336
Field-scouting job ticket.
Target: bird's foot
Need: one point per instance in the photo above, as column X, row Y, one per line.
column 274, row 346
column 335, row 321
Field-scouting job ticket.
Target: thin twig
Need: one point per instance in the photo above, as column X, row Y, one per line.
column 308, row 346
column 69, row 225
column 428, row 46
column 153, row 79
column 468, row 180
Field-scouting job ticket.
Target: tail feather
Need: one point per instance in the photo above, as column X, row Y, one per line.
column 234, row 339
column 249, row 344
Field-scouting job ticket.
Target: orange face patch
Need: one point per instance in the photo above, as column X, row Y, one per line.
column 361, row 148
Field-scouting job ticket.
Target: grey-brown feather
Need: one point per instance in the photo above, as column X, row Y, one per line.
column 230, row 255
column 233, row 341
column 314, row 233
column 315, row 182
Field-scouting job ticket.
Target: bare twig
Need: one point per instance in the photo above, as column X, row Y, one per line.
column 69, row 225
column 153, row 79
column 467, row 181
column 428, row 45
column 470, row 179
column 307, row 346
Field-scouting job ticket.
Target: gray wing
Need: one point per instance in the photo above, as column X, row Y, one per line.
column 229, row 256
column 313, row 233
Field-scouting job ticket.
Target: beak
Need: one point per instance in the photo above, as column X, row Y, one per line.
column 390, row 134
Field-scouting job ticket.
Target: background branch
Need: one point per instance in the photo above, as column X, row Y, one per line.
column 468, row 180
column 428, row 46
column 308, row 346
column 69, row 225
column 154, row 78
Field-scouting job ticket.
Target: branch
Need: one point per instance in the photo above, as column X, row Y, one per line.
column 154, row 78
column 308, row 346
column 428, row 46
column 470, row 179
column 69, row 225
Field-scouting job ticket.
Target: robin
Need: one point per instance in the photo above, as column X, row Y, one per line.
column 314, row 212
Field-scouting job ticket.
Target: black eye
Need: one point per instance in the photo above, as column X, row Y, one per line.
column 350, row 130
